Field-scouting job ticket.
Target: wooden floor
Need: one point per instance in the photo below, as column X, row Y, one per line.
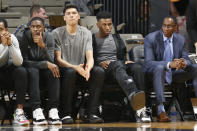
column 155, row 126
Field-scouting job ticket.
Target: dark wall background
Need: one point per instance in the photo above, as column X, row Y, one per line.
column 132, row 12
column 159, row 10
column 140, row 16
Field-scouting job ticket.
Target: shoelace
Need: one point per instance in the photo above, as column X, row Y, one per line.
column 39, row 114
column 145, row 111
column 21, row 117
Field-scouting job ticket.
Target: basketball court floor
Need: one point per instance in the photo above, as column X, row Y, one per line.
column 155, row 126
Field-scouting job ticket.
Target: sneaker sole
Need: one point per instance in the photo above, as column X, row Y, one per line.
column 67, row 121
column 146, row 121
column 21, row 124
column 40, row 123
column 98, row 122
column 55, row 123
column 138, row 101
column 70, row 122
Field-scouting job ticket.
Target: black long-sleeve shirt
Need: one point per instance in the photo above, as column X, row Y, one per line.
column 32, row 54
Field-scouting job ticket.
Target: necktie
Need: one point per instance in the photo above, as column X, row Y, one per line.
column 168, row 56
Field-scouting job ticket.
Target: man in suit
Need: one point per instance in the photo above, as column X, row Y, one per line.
column 166, row 59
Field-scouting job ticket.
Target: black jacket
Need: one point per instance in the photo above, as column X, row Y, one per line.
column 32, row 54
column 120, row 46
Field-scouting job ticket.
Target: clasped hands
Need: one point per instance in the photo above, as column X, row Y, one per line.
column 5, row 37
column 178, row 64
column 84, row 72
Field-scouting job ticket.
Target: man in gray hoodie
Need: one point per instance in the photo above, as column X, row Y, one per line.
column 11, row 71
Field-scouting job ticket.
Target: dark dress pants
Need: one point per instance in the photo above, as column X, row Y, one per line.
column 157, row 75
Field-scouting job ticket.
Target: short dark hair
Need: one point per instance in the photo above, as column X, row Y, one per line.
column 171, row 17
column 103, row 15
column 36, row 18
column 70, row 6
column 35, row 8
column 4, row 21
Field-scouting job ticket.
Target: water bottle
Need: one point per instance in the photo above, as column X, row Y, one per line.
column 173, row 113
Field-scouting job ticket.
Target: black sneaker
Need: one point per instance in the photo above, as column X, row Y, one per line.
column 137, row 100
column 94, row 119
column 67, row 120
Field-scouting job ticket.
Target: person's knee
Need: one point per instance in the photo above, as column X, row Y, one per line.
column 137, row 67
column 119, row 63
column 159, row 67
column 20, row 71
column 194, row 67
column 33, row 72
column 159, row 70
column 69, row 71
column 98, row 71
column 49, row 73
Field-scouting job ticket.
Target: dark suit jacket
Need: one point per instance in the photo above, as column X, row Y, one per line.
column 191, row 23
column 154, row 49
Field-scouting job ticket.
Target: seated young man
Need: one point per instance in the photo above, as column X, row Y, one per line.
column 73, row 47
column 110, row 54
column 11, row 70
column 37, row 48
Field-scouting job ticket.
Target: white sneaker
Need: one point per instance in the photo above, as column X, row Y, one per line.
column 141, row 115
column 54, row 117
column 20, row 118
column 38, row 117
